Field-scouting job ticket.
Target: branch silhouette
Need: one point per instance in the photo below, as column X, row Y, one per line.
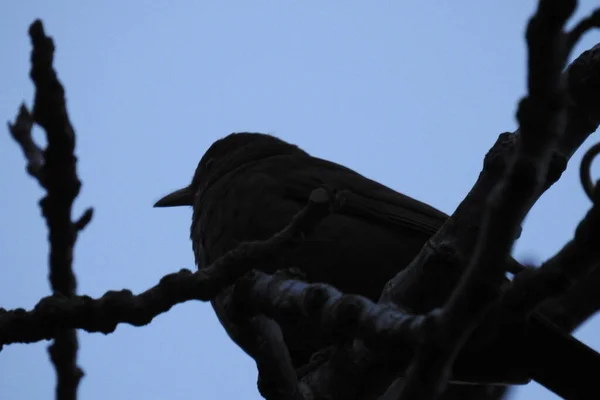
column 542, row 119
column 104, row 314
column 55, row 170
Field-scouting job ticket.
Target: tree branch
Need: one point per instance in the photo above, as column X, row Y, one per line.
column 55, row 170
column 542, row 116
column 115, row 307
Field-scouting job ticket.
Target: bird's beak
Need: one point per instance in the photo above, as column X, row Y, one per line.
column 181, row 197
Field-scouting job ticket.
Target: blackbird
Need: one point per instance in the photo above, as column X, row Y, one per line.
column 247, row 186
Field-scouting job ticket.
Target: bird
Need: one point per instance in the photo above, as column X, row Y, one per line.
column 248, row 186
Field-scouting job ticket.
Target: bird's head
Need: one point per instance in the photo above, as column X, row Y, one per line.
column 223, row 156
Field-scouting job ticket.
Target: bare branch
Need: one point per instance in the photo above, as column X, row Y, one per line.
column 55, row 170
column 585, row 170
column 104, row 314
column 586, row 24
column 339, row 315
column 574, row 262
column 429, row 277
column 542, row 118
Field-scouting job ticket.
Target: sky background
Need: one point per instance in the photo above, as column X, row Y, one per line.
column 411, row 94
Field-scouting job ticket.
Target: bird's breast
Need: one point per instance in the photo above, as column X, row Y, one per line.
column 244, row 206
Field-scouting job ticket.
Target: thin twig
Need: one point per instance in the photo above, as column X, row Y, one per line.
column 277, row 376
column 575, row 261
column 21, row 132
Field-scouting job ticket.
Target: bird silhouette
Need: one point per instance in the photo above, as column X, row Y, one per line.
column 248, row 186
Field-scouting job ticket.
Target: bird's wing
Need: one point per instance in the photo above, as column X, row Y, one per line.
column 362, row 197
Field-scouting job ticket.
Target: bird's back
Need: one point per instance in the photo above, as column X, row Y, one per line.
column 259, row 199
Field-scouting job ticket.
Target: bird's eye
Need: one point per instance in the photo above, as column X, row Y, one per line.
column 208, row 164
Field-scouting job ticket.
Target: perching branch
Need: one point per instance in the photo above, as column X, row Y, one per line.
column 115, row 307
column 338, row 315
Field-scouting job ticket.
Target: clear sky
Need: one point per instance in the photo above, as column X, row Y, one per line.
column 411, row 94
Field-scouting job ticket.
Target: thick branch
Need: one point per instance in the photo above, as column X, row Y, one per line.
column 431, row 279
column 338, row 315
column 542, row 119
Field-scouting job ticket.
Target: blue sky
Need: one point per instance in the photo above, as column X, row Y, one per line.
column 411, row 94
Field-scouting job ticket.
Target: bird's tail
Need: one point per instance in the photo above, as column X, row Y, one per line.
column 562, row 363
column 545, row 354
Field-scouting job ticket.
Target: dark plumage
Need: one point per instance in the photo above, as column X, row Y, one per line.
column 248, row 186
